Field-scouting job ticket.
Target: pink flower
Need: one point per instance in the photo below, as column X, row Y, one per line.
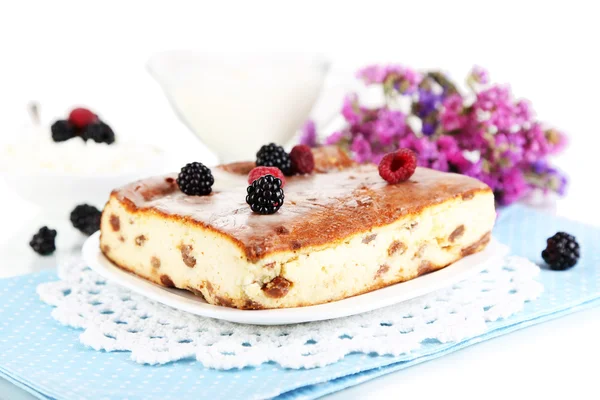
column 404, row 80
column 373, row 74
column 500, row 134
column 493, row 98
column 427, row 152
column 556, row 139
column 365, row 129
column 453, row 155
column 511, row 186
column 547, row 178
column 309, row 134
column 389, row 125
column 448, row 144
column 507, row 150
column 451, row 115
column 523, row 112
column 361, row 149
column 351, row 110
column 536, row 144
column 376, row 157
column 408, row 81
column 334, row 138
column 495, row 107
column 454, row 103
column 479, row 75
column 458, row 163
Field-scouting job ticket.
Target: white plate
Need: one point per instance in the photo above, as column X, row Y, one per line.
column 186, row 301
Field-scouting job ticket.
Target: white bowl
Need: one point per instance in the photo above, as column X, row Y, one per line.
column 58, row 192
column 237, row 102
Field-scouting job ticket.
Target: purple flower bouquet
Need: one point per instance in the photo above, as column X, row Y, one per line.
column 484, row 133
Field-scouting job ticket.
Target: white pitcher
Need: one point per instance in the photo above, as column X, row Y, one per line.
column 237, row 102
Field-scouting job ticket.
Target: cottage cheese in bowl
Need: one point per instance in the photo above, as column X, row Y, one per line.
column 36, row 153
column 57, row 175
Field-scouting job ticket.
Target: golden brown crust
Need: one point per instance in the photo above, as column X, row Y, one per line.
column 330, row 159
column 323, row 210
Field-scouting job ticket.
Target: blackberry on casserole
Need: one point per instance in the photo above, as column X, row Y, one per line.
column 195, row 179
column 271, row 155
column 265, row 195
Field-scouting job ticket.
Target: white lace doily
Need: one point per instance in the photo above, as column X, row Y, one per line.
column 113, row 318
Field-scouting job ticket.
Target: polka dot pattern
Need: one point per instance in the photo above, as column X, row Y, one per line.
column 47, row 358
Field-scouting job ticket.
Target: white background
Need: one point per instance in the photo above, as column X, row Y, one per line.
column 93, row 53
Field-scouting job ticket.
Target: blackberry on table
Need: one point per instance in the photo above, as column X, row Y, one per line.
column 195, row 179
column 86, row 218
column 99, row 132
column 62, row 130
column 265, row 195
column 271, row 155
column 562, row 251
column 43, row 241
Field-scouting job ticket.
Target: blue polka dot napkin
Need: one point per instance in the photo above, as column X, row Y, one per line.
column 46, row 359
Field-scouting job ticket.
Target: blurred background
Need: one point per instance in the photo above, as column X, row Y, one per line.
column 68, row 53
